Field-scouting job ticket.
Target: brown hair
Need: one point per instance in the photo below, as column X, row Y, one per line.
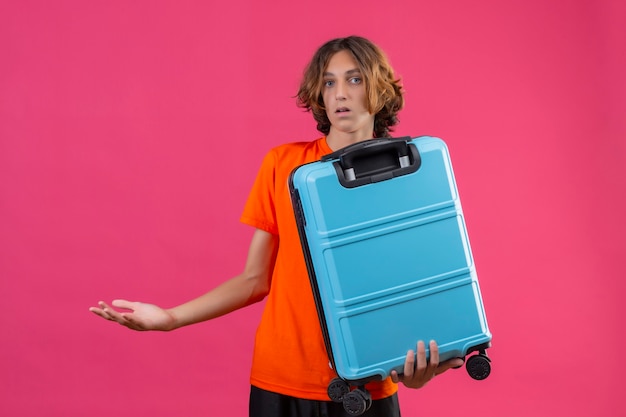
column 384, row 92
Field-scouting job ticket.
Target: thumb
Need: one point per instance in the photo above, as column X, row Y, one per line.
column 456, row 362
column 124, row 304
column 451, row 363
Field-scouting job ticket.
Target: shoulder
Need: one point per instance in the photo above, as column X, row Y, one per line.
column 294, row 147
column 295, row 153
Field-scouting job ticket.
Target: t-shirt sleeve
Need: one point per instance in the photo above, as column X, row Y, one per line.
column 259, row 210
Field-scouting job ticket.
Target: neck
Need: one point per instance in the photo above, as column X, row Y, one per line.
column 338, row 139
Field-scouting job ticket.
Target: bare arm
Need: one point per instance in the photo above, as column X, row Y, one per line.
column 250, row 286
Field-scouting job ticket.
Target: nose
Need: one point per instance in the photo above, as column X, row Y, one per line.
column 340, row 90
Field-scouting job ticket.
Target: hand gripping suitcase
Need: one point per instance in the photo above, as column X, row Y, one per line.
column 389, row 260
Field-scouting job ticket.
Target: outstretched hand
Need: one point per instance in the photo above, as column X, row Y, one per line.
column 418, row 375
column 141, row 316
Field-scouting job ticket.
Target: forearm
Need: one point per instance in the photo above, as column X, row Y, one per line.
column 250, row 286
column 231, row 295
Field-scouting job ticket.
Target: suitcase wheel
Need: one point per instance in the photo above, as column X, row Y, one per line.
column 478, row 366
column 337, row 389
column 357, row 402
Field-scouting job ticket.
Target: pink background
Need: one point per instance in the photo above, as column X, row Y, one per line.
column 131, row 131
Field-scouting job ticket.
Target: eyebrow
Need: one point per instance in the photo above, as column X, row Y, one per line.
column 349, row 72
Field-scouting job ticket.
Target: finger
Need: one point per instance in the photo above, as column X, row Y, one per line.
column 422, row 362
column 101, row 310
column 113, row 315
column 98, row 312
column 433, row 361
column 104, row 308
column 409, row 365
column 394, row 376
column 102, row 305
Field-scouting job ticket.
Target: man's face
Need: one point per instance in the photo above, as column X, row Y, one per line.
column 345, row 97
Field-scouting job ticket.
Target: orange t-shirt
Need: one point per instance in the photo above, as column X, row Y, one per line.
column 289, row 355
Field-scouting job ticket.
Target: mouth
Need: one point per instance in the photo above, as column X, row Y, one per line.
column 342, row 110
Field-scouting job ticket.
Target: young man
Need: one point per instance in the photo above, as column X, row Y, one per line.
column 350, row 88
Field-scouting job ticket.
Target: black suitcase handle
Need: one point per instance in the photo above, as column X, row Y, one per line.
column 374, row 160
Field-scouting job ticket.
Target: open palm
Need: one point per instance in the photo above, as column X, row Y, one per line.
column 139, row 316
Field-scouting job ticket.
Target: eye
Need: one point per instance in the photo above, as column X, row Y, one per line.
column 355, row 80
column 328, row 83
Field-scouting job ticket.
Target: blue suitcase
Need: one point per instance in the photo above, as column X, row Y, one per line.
column 389, row 260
